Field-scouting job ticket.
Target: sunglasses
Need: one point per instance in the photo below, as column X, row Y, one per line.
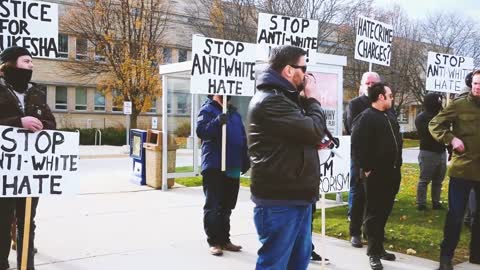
column 303, row 68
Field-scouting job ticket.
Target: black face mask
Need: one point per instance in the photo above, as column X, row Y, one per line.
column 18, row 78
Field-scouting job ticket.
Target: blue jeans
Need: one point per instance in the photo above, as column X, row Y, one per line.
column 285, row 234
column 458, row 193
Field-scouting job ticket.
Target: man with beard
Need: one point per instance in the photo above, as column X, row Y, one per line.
column 286, row 124
column 356, row 195
column 377, row 149
column 457, row 125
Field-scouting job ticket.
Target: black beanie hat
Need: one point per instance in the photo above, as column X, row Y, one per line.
column 432, row 102
column 468, row 79
column 12, row 53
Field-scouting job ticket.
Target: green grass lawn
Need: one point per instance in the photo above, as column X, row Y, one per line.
column 407, row 228
column 407, row 143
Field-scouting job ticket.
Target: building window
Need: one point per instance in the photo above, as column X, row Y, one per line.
column 117, row 101
column 80, row 99
column 182, row 104
column 153, row 106
column 99, row 101
column 62, row 46
column 100, row 53
column 403, row 116
column 182, row 55
column 61, row 98
column 82, row 49
column 167, row 55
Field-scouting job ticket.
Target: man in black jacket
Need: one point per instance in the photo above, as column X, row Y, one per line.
column 377, row 148
column 432, row 157
column 286, row 124
column 356, row 195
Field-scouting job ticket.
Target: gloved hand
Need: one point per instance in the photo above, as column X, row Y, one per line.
column 222, row 119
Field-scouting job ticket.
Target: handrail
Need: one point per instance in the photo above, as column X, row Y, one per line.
column 98, row 131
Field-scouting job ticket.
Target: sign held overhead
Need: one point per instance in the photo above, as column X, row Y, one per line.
column 446, row 72
column 374, row 41
column 278, row 30
column 32, row 25
column 222, row 67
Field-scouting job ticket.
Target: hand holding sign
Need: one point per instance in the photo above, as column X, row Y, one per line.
column 31, row 123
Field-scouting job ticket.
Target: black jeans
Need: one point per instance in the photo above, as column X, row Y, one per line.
column 20, row 214
column 7, row 210
column 221, row 194
column 458, row 193
column 357, row 210
column 381, row 187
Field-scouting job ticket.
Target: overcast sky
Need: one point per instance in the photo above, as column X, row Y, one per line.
column 418, row 8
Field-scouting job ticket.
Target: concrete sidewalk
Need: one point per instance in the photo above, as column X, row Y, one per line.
column 113, row 224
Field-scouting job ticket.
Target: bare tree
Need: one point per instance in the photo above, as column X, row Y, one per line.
column 232, row 20
column 128, row 34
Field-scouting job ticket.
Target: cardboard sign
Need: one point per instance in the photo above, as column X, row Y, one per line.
column 38, row 164
column 335, row 167
column 222, row 67
column 29, row 24
column 277, row 30
column 374, row 41
column 446, row 72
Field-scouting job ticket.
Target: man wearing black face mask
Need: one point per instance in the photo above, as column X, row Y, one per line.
column 22, row 105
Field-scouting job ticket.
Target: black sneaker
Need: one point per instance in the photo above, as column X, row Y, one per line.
column 356, row 241
column 375, row 263
column 388, row 256
column 445, row 263
column 421, row 207
column 438, row 206
column 317, row 258
column 474, row 260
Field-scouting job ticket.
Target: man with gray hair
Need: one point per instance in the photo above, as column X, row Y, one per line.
column 356, row 196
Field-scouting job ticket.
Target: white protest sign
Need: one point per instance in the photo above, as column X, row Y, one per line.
column 29, row 24
column 446, row 72
column 374, row 41
column 127, row 107
column 277, row 30
column 335, row 167
column 222, row 67
column 38, row 164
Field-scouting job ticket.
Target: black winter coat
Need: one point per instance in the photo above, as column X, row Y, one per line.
column 35, row 105
column 354, row 108
column 283, row 133
column 376, row 141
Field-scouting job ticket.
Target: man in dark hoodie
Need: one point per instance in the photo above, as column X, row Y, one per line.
column 221, row 188
column 286, row 124
column 432, row 157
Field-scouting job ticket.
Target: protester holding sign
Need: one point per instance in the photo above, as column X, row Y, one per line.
column 221, row 188
column 377, row 149
column 457, row 125
column 23, row 105
column 285, row 128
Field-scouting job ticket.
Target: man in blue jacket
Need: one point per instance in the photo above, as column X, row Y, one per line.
column 221, row 188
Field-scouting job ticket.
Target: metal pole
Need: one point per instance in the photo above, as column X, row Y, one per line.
column 369, row 66
column 164, row 134
column 224, row 137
